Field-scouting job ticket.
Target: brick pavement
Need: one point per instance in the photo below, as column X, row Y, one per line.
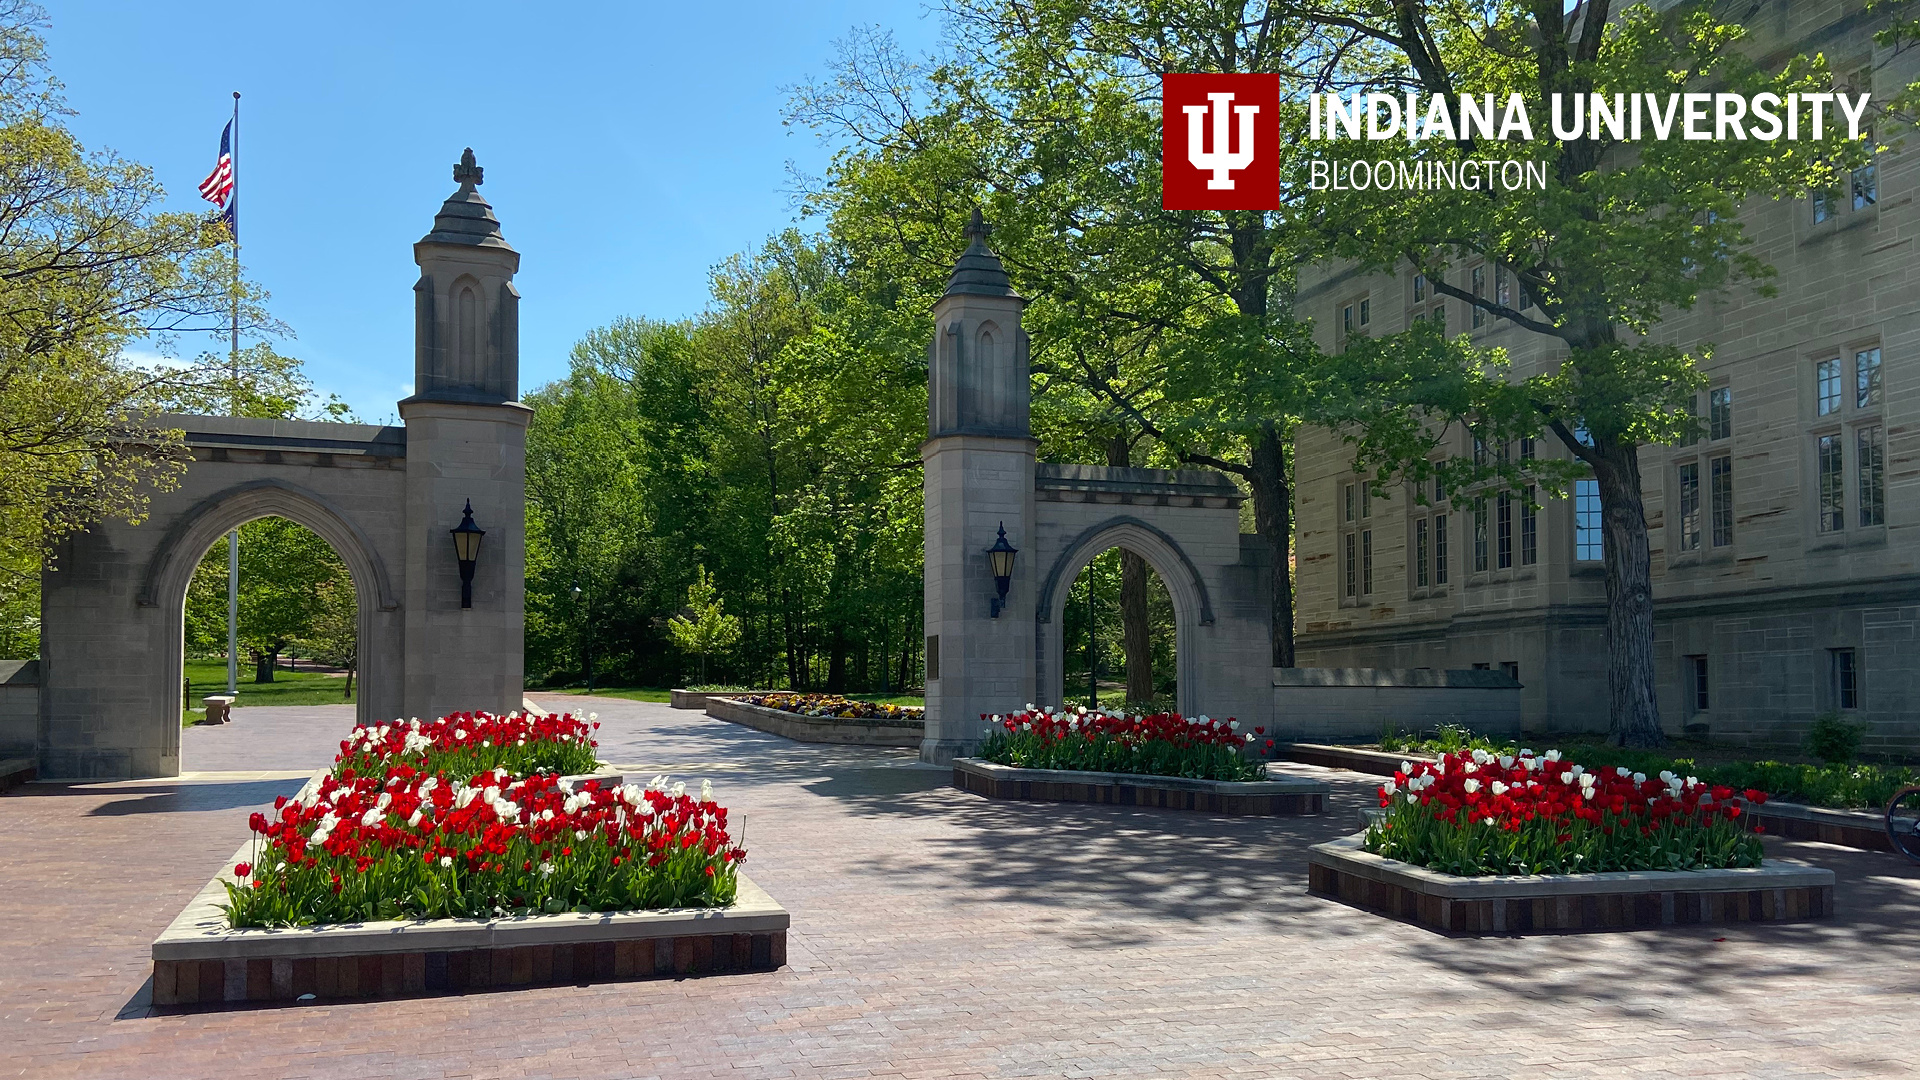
column 939, row 935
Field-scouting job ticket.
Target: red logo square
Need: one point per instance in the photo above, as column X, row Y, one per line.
column 1220, row 142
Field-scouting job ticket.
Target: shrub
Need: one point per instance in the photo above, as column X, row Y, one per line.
column 1474, row 814
column 1833, row 740
column 1163, row 744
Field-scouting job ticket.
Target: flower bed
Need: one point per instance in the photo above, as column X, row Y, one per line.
column 419, row 847
column 455, row 854
column 1474, row 814
column 831, row 705
column 1164, row 744
column 461, row 746
column 1835, row 786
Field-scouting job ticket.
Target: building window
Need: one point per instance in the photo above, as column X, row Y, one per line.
column 1439, row 549
column 1526, row 448
column 1502, row 287
column 1420, row 553
column 1347, row 492
column 1871, row 447
column 1826, row 387
column 1866, row 185
column 1352, row 566
column 1721, row 469
column 1866, row 378
column 1511, row 669
column 1589, row 544
column 1366, row 562
column 1419, row 287
column 1479, row 293
column 1366, row 500
column 1697, row 680
column 1720, row 412
column 1366, row 311
column 1347, row 323
column 1503, row 524
column 1833, row 495
column 1846, row 678
column 1832, row 483
column 1822, row 206
column 1688, row 536
column 1479, row 450
column 1480, row 538
column 1530, row 528
column 1693, row 421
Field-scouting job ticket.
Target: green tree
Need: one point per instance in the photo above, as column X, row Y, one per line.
column 88, row 265
column 704, row 628
column 293, row 588
column 1623, row 235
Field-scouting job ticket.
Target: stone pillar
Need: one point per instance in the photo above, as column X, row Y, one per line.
column 979, row 458
column 466, row 441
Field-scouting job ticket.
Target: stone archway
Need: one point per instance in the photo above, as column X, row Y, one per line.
column 384, row 498
column 984, row 657
column 1192, row 606
column 170, row 571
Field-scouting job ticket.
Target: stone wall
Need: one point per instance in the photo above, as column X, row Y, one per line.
column 1358, row 704
column 19, row 707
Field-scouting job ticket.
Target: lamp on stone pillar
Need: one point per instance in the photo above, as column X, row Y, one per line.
column 1000, row 559
column 466, row 548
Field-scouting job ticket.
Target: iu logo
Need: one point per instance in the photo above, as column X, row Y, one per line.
column 1220, row 142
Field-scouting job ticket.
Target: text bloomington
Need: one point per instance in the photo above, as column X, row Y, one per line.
column 1469, row 175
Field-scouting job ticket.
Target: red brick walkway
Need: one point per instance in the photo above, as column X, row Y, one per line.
column 937, row 934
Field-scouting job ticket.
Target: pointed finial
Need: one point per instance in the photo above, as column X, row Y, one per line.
column 468, row 174
column 977, row 227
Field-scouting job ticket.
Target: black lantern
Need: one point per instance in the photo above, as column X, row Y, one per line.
column 1000, row 560
column 466, row 548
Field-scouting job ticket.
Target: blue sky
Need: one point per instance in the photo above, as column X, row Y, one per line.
column 628, row 147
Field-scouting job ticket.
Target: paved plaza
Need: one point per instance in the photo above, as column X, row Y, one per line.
column 937, row 934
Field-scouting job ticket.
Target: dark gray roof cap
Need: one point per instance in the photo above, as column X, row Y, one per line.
column 466, row 217
column 978, row 271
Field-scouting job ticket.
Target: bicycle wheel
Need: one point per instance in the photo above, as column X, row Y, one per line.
column 1903, row 822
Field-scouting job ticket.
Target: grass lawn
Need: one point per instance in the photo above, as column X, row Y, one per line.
column 209, row 677
column 658, row 696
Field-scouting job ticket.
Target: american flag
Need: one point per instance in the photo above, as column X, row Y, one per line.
column 217, row 188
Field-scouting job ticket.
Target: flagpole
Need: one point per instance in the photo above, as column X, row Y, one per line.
column 233, row 363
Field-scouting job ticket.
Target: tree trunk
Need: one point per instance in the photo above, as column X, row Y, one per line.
column 348, row 692
column 1635, row 709
column 1273, row 520
column 1135, row 633
column 837, row 661
column 263, row 666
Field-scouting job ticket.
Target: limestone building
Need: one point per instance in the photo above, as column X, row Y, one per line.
column 1784, row 539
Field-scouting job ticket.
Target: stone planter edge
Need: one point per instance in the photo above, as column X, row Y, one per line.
column 1347, row 856
column 848, row 731
column 1280, row 786
column 200, row 931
